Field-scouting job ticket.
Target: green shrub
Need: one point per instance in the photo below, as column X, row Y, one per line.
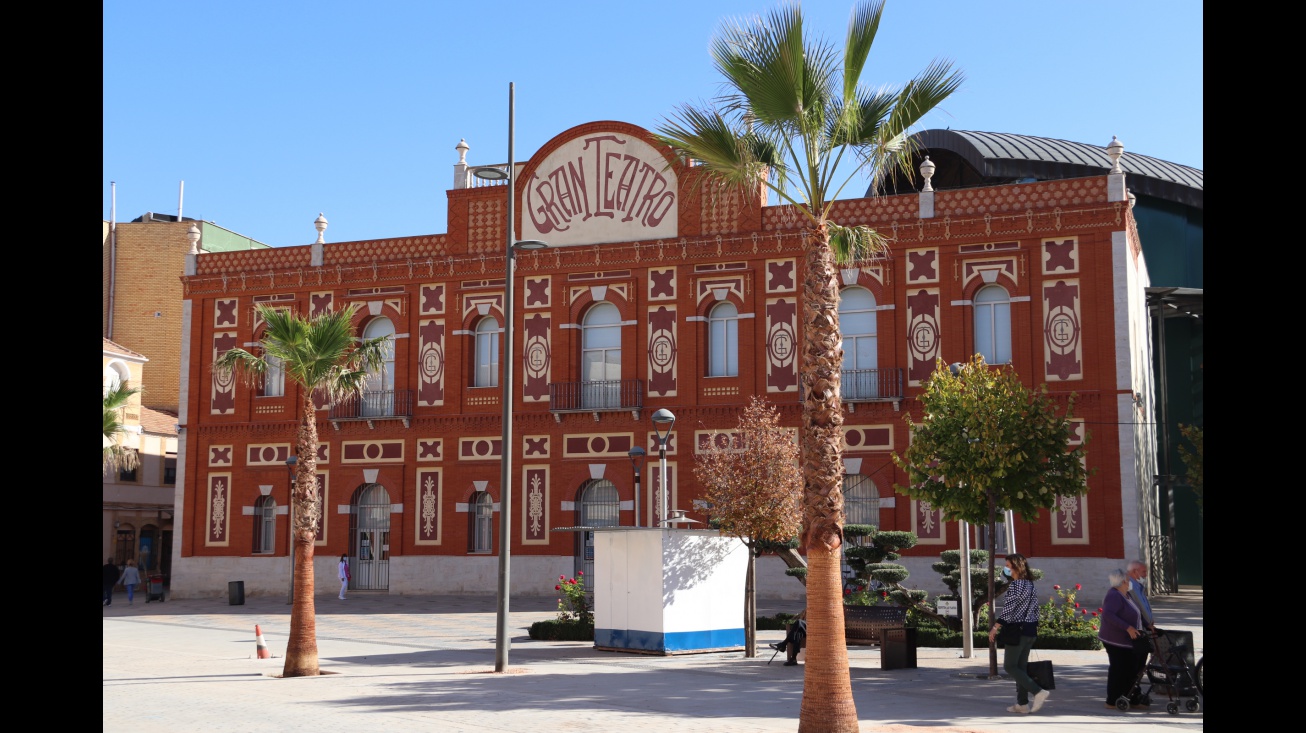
column 555, row 630
column 778, row 622
column 933, row 635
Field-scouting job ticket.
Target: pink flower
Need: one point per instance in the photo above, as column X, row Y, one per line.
column 1095, row 614
column 580, row 572
column 1099, row 610
column 1083, row 611
column 571, row 582
column 1078, row 586
column 562, row 577
column 1056, row 587
column 557, row 587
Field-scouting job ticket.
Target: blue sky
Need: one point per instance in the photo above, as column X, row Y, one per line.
column 274, row 112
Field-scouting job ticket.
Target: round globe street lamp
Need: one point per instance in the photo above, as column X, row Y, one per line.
column 493, row 173
column 663, row 421
column 636, row 457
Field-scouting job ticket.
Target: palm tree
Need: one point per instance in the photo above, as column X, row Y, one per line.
column 793, row 108
column 116, row 455
column 322, row 356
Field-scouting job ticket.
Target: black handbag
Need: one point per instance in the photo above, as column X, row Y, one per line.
column 1008, row 634
column 1041, row 673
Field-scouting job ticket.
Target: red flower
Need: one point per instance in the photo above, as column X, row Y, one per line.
column 557, row 587
column 580, row 572
column 1078, row 586
column 1099, row 610
column 1094, row 614
column 1076, row 605
column 847, row 591
column 1083, row 611
column 1056, row 587
column 884, row 594
column 562, row 577
column 571, row 582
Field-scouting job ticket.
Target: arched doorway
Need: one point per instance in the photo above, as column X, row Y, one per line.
column 369, row 538
column 599, row 506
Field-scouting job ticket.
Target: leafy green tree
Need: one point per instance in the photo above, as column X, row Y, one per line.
column 117, row 456
column 1193, row 460
column 987, row 444
column 319, row 354
column 794, row 109
column 753, row 486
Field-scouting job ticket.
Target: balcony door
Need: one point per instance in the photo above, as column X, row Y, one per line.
column 379, row 395
column 601, row 357
column 859, row 380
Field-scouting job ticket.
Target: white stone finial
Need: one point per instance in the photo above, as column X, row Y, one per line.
column 1115, row 150
column 320, row 224
column 193, row 235
column 462, row 147
column 927, row 170
column 1132, row 199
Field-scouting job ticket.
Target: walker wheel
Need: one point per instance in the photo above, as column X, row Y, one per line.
column 1192, row 706
column 1122, row 704
column 1172, row 708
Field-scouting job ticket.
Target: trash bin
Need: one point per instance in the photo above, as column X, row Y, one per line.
column 236, row 594
column 898, row 649
column 154, row 591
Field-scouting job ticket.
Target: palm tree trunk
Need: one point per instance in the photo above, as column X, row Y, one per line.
column 301, row 645
column 750, row 604
column 827, row 705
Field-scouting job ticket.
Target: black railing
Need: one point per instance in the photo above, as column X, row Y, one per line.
column 869, row 385
column 374, row 405
column 608, row 395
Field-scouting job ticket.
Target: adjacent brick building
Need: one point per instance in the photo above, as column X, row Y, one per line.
column 654, row 293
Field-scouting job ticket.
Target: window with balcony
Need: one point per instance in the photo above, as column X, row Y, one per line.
column 601, row 357
column 378, row 399
column 860, row 378
column 486, row 370
column 723, row 340
column 993, row 324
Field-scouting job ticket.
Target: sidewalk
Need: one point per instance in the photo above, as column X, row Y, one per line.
column 422, row 663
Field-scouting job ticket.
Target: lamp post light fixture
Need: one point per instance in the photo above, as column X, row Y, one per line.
column 493, row 173
column 663, row 421
column 291, row 464
column 636, row 457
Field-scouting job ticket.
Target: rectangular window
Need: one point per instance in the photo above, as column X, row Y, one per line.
column 274, row 379
column 126, row 476
column 170, row 470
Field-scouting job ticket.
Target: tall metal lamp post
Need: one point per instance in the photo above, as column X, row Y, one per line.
column 493, row 173
column 636, row 457
column 663, row 421
column 291, row 463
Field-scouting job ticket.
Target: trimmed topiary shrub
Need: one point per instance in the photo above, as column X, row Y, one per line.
column 555, row 630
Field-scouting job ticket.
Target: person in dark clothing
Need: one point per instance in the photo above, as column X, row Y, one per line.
column 795, row 635
column 110, row 575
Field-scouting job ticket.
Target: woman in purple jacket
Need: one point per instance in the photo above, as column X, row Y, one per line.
column 1121, row 621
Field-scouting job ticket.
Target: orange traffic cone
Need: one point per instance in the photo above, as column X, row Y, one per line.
column 263, row 652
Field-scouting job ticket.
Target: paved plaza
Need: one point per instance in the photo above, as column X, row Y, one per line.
column 426, row 663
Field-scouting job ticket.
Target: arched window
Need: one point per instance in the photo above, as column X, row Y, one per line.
column 860, row 350
column 600, row 354
column 486, row 372
column 265, row 525
column 482, row 523
column 723, row 340
column 600, row 506
column 379, row 394
column 993, row 324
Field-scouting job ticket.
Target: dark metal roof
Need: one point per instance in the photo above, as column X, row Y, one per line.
column 1004, row 156
column 1176, row 302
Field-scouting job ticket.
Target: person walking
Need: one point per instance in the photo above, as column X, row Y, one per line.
column 109, row 578
column 1020, row 610
column 344, row 575
column 1137, row 572
column 131, row 577
column 1122, row 620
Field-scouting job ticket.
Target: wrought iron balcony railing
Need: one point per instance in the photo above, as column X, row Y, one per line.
column 870, row 385
column 388, row 404
column 612, row 395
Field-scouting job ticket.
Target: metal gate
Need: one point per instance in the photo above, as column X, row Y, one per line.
column 369, row 543
column 599, row 506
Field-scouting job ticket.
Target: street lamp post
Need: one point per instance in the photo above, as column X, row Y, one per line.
column 663, row 421
column 492, row 173
column 636, row 457
column 291, row 464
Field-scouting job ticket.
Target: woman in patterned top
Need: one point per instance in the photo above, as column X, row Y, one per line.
column 1020, row 608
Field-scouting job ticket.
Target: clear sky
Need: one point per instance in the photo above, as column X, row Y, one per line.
column 272, row 112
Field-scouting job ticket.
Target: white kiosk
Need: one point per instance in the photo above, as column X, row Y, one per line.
column 668, row 591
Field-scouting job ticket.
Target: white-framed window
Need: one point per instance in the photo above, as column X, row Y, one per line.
column 274, row 378
column 993, row 324
column 482, row 523
column 723, row 340
column 379, row 394
column 265, row 525
column 486, row 372
column 857, row 324
column 600, row 354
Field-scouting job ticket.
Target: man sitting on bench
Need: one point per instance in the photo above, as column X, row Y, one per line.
column 795, row 638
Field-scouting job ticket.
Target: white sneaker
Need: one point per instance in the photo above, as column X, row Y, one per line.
column 1022, row 709
column 1040, row 697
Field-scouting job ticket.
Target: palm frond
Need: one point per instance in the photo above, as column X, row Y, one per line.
column 856, row 243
